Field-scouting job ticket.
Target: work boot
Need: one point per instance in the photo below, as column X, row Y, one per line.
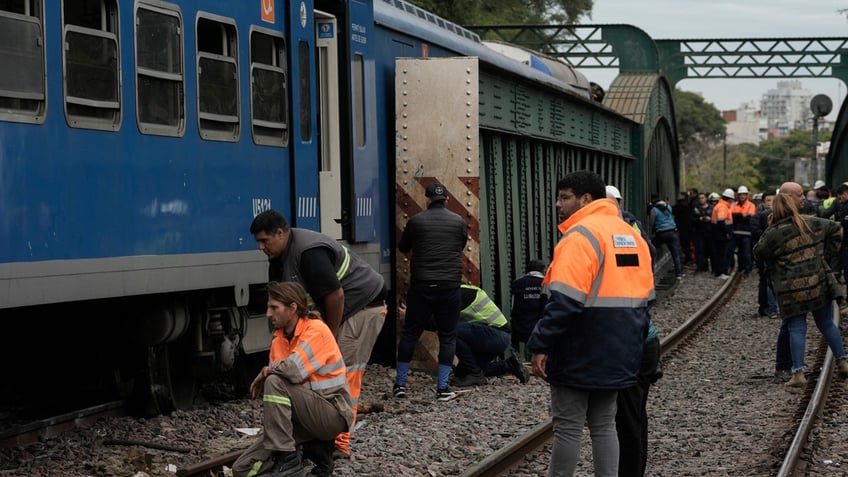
column 782, row 375
column 842, row 368
column 287, row 464
column 797, row 380
column 321, row 455
column 473, row 379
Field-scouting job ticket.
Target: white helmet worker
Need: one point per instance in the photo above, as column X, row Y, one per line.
column 742, row 190
column 613, row 192
column 728, row 194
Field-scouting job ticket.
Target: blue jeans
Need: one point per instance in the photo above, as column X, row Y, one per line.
column 477, row 344
column 771, row 298
column 797, row 326
column 672, row 240
column 571, row 409
column 783, row 357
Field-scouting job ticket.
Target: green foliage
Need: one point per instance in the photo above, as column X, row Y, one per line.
column 780, row 155
column 720, row 168
column 696, row 119
column 508, row 12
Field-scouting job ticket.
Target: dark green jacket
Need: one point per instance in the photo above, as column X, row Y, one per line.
column 799, row 270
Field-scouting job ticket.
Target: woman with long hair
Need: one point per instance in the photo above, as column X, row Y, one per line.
column 797, row 249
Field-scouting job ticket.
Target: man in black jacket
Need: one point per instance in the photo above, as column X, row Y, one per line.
column 436, row 238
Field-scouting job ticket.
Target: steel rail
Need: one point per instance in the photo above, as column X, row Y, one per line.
column 506, row 457
column 817, row 400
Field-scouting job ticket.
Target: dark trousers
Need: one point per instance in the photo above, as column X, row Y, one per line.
column 424, row 305
column 631, row 419
column 477, row 345
column 719, row 258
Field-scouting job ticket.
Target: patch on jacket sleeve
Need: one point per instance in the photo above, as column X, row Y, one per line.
column 623, row 241
column 627, row 260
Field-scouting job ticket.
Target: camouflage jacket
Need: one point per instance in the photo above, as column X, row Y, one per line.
column 799, row 270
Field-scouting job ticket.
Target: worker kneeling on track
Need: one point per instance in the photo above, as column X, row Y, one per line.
column 482, row 336
column 305, row 398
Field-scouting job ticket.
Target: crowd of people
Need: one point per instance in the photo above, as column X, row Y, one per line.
column 573, row 321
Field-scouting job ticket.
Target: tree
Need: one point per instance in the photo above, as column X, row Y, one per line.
column 700, row 133
column 511, row 12
column 780, row 155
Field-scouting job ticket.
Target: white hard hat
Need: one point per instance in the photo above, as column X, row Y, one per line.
column 818, row 185
column 612, row 191
column 742, row 190
column 728, row 194
column 713, row 196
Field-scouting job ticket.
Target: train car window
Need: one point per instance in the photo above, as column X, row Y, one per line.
column 160, row 78
column 305, row 82
column 22, row 97
column 92, row 64
column 217, row 79
column 359, row 98
column 268, row 89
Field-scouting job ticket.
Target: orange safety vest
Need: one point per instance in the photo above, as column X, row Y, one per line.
column 600, row 285
column 311, row 358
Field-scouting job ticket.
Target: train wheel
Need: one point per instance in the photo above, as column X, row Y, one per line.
column 171, row 378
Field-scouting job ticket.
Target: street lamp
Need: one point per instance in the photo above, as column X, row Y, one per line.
column 821, row 106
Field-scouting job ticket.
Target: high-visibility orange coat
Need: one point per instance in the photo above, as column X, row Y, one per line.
column 600, row 289
column 313, row 359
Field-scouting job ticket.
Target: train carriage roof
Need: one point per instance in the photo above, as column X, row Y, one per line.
column 404, row 17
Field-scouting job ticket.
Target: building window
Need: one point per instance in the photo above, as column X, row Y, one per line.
column 160, row 82
column 217, row 80
column 92, row 64
column 22, row 87
column 268, row 89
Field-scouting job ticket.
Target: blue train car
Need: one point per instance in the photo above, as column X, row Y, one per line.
column 139, row 138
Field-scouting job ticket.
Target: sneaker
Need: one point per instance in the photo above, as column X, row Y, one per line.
column 287, row 464
column 399, row 391
column 680, row 277
column 723, row 276
column 474, row 379
column 518, row 370
column 773, row 315
column 445, row 394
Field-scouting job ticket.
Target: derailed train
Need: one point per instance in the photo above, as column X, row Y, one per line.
column 138, row 139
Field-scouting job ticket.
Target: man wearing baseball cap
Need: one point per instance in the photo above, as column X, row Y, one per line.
column 436, row 238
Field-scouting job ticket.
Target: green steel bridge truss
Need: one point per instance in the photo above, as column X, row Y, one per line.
column 630, row 49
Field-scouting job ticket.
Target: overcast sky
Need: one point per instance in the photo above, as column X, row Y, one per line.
column 728, row 19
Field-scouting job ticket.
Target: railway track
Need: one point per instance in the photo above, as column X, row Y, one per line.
column 519, row 448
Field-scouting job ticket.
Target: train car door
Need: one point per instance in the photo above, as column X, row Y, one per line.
column 329, row 147
column 303, row 125
column 369, row 185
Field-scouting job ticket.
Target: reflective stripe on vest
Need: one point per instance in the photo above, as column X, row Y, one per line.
column 482, row 309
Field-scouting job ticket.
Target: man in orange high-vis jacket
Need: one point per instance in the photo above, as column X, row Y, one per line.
column 722, row 221
column 743, row 211
column 588, row 344
column 350, row 293
column 304, row 391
